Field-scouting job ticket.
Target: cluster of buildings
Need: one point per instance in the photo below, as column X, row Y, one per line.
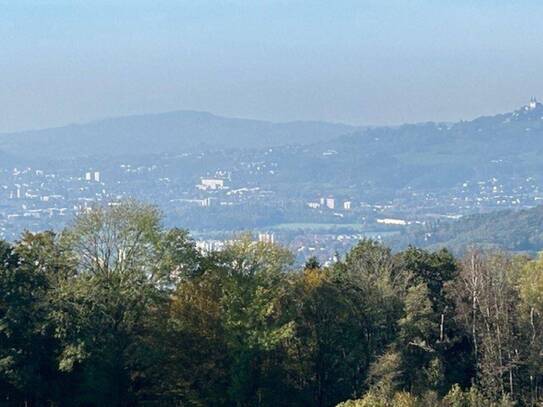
column 217, row 245
column 37, row 198
column 330, row 203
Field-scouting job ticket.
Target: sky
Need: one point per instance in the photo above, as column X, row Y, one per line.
column 368, row 62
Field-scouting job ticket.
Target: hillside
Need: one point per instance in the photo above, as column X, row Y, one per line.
column 380, row 160
column 172, row 132
column 7, row 160
column 512, row 230
column 421, row 157
column 438, row 155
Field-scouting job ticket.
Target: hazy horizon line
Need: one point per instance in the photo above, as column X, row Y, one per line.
column 135, row 114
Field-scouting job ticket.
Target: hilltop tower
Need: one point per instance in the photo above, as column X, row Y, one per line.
column 533, row 103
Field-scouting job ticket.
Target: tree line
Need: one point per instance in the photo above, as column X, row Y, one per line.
column 117, row 310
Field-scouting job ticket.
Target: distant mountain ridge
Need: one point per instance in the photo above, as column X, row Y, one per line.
column 173, row 132
column 439, row 155
column 422, row 156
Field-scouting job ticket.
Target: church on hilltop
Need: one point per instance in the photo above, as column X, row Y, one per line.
column 533, row 104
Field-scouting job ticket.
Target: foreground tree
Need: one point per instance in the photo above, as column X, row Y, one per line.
column 30, row 272
column 530, row 286
column 487, row 301
column 106, row 313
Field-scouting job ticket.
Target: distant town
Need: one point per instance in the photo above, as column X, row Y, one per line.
column 218, row 202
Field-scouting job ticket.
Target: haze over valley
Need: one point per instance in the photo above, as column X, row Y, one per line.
column 272, row 203
column 317, row 187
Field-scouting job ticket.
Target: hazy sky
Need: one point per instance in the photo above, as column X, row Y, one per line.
column 363, row 62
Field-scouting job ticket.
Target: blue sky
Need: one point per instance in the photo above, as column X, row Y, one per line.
column 363, row 62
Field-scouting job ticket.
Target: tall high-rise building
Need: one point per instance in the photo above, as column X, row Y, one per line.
column 266, row 237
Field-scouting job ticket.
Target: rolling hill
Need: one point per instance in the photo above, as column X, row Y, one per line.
column 432, row 156
column 424, row 156
column 172, row 132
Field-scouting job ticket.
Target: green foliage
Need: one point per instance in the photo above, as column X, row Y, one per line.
column 400, row 399
column 455, row 398
column 472, row 397
column 312, row 263
column 118, row 311
column 518, row 231
column 29, row 271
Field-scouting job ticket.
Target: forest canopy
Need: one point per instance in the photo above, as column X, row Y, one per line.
column 117, row 310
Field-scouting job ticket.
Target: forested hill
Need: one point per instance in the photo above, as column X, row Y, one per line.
column 484, row 145
column 443, row 154
column 427, row 155
column 511, row 230
column 173, row 132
